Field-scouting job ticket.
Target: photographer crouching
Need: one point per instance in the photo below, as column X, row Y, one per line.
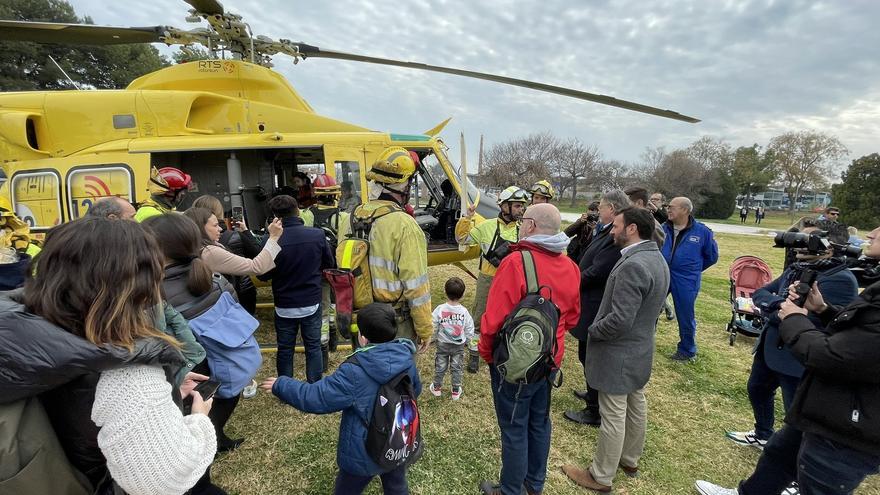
column 831, row 440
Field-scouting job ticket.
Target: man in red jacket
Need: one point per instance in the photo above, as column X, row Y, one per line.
column 524, row 410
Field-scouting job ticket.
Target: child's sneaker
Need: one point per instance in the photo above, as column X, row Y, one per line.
column 250, row 391
column 456, row 393
column 436, row 392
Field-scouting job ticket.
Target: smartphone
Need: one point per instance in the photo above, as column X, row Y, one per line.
column 207, row 388
column 237, row 213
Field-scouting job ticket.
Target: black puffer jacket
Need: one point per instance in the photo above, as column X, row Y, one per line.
column 179, row 296
column 839, row 396
column 38, row 358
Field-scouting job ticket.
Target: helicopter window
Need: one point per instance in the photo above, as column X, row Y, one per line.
column 36, row 198
column 348, row 176
column 85, row 186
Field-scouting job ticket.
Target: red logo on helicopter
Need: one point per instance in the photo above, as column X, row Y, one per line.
column 95, row 187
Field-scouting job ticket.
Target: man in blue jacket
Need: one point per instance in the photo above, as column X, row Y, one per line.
column 296, row 287
column 774, row 366
column 690, row 248
column 352, row 389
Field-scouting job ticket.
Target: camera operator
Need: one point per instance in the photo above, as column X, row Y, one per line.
column 774, row 366
column 581, row 232
column 831, row 440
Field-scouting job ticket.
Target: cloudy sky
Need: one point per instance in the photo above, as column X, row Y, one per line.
column 749, row 69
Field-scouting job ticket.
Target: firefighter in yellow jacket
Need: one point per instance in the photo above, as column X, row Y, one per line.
column 493, row 236
column 398, row 247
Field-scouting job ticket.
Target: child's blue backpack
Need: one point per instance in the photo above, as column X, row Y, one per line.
column 394, row 434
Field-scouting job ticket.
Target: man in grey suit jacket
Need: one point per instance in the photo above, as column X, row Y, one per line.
column 620, row 349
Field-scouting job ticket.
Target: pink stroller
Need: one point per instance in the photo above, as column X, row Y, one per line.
column 747, row 274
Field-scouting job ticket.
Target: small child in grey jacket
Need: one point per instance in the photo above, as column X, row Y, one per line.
column 453, row 329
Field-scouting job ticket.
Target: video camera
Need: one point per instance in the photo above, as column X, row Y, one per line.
column 815, row 242
column 866, row 270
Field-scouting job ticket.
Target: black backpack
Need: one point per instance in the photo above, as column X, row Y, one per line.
column 526, row 343
column 322, row 220
column 394, row 434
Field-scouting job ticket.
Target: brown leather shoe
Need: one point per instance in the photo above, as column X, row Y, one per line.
column 584, row 478
column 630, row 472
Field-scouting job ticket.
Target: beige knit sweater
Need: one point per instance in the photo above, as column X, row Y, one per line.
column 219, row 260
column 150, row 446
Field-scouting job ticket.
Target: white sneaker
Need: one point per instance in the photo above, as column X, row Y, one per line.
column 250, row 391
column 436, row 392
column 793, row 489
column 706, row 488
column 746, row 438
column 456, row 393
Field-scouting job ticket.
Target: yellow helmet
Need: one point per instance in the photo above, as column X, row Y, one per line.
column 5, row 204
column 543, row 188
column 513, row 194
column 394, row 166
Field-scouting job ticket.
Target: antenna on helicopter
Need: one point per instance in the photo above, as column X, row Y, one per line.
column 75, row 85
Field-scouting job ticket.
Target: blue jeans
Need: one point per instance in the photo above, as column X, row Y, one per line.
column 523, row 413
column 762, row 386
column 286, row 330
column 819, row 465
column 393, row 483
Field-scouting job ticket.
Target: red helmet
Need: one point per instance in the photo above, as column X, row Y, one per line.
column 325, row 185
column 175, row 179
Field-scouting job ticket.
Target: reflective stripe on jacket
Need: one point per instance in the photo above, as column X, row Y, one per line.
column 399, row 263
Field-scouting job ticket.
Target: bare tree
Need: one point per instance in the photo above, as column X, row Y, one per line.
column 711, row 153
column 805, row 159
column 652, row 158
column 520, row 162
column 573, row 160
column 680, row 175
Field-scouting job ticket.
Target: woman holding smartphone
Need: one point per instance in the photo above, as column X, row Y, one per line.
column 79, row 335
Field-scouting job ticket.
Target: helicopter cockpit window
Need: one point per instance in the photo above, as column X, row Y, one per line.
column 435, row 202
column 348, row 176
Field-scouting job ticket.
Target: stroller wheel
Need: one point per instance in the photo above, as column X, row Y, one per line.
column 732, row 338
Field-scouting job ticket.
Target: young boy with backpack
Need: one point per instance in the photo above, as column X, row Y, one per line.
column 376, row 390
column 453, row 330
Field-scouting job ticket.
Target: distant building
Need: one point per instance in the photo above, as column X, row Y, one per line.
column 775, row 197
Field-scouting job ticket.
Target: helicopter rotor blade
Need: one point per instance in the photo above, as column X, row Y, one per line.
column 313, row 51
column 210, row 7
column 53, row 32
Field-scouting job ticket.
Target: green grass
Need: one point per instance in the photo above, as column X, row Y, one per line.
column 690, row 407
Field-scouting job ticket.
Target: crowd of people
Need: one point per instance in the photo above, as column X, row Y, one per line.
column 128, row 338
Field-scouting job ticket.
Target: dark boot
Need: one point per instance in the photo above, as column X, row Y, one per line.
column 220, row 413
column 587, row 416
column 334, row 339
column 473, row 361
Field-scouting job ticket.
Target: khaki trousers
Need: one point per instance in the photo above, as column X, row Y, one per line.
column 622, row 434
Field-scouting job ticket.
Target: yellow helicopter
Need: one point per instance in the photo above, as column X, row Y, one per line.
column 236, row 126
